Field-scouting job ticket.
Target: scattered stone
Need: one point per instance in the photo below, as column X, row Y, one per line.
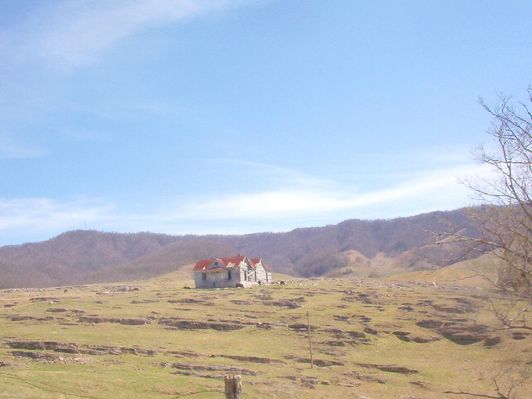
column 333, row 343
column 74, row 348
column 241, row 302
column 356, row 334
column 251, row 359
column 44, row 299
column 309, row 382
column 430, row 323
column 492, row 341
column 463, row 334
column 420, row 384
column 518, row 335
column 317, row 362
column 389, row 368
column 371, row 331
column 56, row 310
column 301, row 327
column 283, row 303
column 224, row 369
column 200, row 325
column 366, row 378
column 125, row 321
column 341, row 318
column 402, row 335
column 35, row 355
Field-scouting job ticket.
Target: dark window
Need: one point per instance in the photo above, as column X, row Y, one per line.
column 229, row 274
column 204, row 276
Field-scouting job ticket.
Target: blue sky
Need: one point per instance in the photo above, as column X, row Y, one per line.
column 234, row 116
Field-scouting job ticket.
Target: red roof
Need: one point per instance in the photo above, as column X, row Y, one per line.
column 235, row 260
column 203, row 264
column 228, row 261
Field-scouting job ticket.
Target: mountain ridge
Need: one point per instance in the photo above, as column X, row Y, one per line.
column 86, row 256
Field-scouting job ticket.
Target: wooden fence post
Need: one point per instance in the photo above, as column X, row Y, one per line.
column 233, row 387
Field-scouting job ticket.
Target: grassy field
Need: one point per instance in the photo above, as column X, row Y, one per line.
column 158, row 339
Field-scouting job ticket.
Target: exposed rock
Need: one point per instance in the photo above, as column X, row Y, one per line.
column 134, row 322
column 35, row 355
column 241, row 302
column 366, row 378
column 126, row 321
column 402, row 335
column 388, row 368
column 283, row 303
column 56, row 310
column 371, row 331
column 333, row 343
column 224, row 369
column 429, row 323
column 492, row 341
column 22, row 318
column 420, row 384
column 356, row 334
column 341, row 318
column 518, row 335
column 309, row 382
column 463, row 334
column 301, row 327
column 44, row 299
column 200, row 325
column 252, row 359
column 191, row 301
column 317, row 362
column 74, row 348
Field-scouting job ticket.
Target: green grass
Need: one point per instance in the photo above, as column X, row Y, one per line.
column 442, row 365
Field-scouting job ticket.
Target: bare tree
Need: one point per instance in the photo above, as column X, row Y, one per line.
column 507, row 225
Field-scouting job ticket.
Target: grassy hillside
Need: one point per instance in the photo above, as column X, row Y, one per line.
column 480, row 272
column 157, row 339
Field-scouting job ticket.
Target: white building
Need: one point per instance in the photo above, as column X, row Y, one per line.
column 233, row 271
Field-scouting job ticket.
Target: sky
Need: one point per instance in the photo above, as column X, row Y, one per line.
column 235, row 116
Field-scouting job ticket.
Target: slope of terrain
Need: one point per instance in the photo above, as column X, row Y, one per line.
column 412, row 243
column 157, row 339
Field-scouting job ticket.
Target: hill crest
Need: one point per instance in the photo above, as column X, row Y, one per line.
column 86, row 256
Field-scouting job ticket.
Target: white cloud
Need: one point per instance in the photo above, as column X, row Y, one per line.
column 287, row 207
column 76, row 33
column 290, row 202
column 45, row 214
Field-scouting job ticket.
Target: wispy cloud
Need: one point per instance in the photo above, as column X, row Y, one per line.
column 75, row 33
column 296, row 201
column 13, row 149
column 46, row 214
column 288, row 206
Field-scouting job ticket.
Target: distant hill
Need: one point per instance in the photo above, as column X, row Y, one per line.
column 411, row 243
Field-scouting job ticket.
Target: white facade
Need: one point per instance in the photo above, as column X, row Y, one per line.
column 230, row 272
